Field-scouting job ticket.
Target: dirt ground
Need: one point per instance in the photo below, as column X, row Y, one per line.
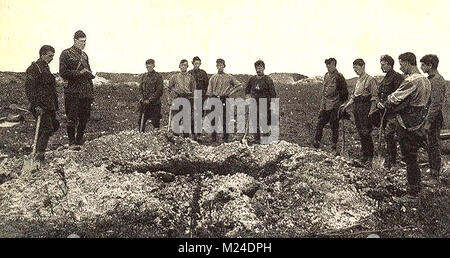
column 114, row 110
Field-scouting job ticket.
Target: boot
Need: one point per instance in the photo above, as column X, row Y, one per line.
column 79, row 139
column 71, row 134
column 39, row 159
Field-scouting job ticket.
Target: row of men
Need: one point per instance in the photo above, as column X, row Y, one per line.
column 40, row 88
column 408, row 107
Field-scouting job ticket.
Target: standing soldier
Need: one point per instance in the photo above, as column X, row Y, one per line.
column 260, row 86
column 79, row 91
column 334, row 94
column 222, row 85
column 151, row 88
column 415, row 92
column 40, row 88
column 364, row 94
column 182, row 85
column 389, row 84
column 434, row 120
column 201, row 78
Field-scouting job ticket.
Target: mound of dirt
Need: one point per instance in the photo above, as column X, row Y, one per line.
column 170, row 186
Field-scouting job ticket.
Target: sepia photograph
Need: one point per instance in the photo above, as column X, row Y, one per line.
column 204, row 120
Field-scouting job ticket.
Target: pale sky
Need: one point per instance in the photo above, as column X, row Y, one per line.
column 290, row 36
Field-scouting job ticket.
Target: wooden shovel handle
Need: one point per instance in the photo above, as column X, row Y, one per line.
column 36, row 134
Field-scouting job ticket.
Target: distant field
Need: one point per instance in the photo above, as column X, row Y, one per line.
column 115, row 104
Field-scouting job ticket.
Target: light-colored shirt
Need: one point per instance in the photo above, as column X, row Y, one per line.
column 182, row 83
column 222, row 84
column 415, row 86
column 365, row 86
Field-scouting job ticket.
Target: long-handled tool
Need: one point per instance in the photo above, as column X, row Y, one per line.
column 29, row 165
column 379, row 160
column 170, row 120
column 141, row 128
column 344, row 152
column 15, row 106
column 244, row 139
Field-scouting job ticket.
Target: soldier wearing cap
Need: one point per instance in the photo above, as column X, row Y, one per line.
column 40, row 89
column 79, row 92
column 151, row 88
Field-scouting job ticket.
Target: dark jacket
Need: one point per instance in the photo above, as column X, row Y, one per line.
column 201, row 80
column 261, row 87
column 71, row 62
column 437, row 98
column 335, row 91
column 40, row 86
column 151, row 87
column 389, row 84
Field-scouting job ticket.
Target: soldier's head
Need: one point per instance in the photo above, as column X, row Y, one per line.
column 407, row 62
column 331, row 64
column 359, row 66
column 184, row 65
column 196, row 62
column 387, row 63
column 260, row 66
column 150, row 64
column 79, row 39
column 429, row 63
column 47, row 53
column 220, row 64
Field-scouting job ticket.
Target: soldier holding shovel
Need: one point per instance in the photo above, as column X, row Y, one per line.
column 40, row 89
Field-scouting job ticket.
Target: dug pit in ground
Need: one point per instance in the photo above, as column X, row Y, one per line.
column 157, row 185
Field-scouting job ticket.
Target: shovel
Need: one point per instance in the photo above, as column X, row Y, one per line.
column 141, row 128
column 379, row 160
column 28, row 164
column 15, row 106
column 344, row 152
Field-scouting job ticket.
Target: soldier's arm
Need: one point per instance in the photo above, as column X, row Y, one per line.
column 373, row 87
column 342, row 88
column 64, row 70
column 209, row 90
column 437, row 100
column 32, row 74
column 400, row 95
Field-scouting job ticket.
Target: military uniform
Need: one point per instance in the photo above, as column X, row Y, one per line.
column 415, row 91
column 259, row 87
column 40, row 89
column 334, row 93
column 151, row 87
column 78, row 93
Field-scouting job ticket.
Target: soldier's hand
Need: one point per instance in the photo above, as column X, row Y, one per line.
column 427, row 126
column 84, row 70
column 146, row 102
column 380, row 105
column 38, row 110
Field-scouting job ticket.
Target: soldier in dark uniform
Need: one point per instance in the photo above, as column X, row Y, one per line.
column 40, row 89
column 151, row 88
column 79, row 91
column 389, row 84
column 434, row 119
column 334, row 94
column 415, row 92
column 201, row 80
column 258, row 87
